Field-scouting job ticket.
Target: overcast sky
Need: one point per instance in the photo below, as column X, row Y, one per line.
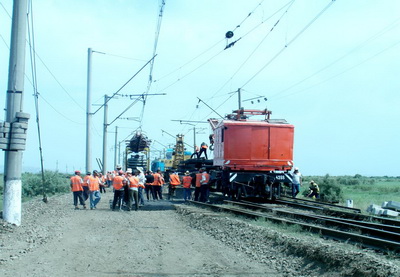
column 330, row 68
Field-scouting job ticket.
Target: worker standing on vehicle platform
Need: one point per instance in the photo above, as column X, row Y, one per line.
column 296, row 182
column 203, row 149
column 77, row 190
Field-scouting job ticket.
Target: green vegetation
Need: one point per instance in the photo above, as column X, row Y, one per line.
column 364, row 191
column 32, row 184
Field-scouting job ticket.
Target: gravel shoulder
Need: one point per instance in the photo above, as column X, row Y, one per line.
column 164, row 239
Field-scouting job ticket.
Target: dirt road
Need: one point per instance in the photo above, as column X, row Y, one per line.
column 55, row 240
column 164, row 239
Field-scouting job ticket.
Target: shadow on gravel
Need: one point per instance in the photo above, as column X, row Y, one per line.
column 160, row 205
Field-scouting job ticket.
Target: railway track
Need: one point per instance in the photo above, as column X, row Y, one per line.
column 382, row 237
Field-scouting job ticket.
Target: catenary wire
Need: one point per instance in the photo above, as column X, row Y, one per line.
column 357, row 48
column 344, row 71
column 290, row 42
column 252, row 53
column 47, row 68
column 31, row 40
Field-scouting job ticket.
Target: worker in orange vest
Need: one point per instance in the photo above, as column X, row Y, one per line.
column 77, row 190
column 157, row 185
column 203, row 149
column 174, row 181
column 197, row 188
column 204, row 188
column 85, row 187
column 133, row 183
column 94, row 189
column 119, row 182
column 187, row 182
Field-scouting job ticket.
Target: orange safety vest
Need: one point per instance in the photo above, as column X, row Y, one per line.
column 93, row 183
column 157, row 179
column 207, row 178
column 133, row 182
column 187, row 181
column 118, row 182
column 76, row 182
column 174, row 180
column 85, row 180
column 198, row 179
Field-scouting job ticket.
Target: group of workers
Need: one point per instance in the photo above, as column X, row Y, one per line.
column 130, row 187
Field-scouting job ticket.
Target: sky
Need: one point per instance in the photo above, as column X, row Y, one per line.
column 330, row 68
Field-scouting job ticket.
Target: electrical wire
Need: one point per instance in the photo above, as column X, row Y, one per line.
column 357, row 48
column 290, row 42
column 346, row 70
column 31, row 39
column 44, row 64
column 290, row 3
column 157, row 35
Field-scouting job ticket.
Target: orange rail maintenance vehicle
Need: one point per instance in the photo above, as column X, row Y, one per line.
column 252, row 158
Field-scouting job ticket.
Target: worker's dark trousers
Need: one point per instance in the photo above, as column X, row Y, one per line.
column 118, row 197
column 85, row 193
column 157, row 192
column 197, row 193
column 78, row 195
column 203, row 150
column 204, row 193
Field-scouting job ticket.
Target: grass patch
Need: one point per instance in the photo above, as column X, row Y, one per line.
column 364, row 191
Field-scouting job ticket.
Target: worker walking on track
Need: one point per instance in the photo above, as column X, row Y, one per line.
column 94, row 189
column 187, row 182
column 77, row 190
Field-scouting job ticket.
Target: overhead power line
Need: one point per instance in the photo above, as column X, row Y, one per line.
column 290, row 42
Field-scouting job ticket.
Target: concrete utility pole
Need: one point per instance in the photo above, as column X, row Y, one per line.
column 105, row 127
column 89, row 113
column 115, row 146
column 13, row 131
column 239, row 98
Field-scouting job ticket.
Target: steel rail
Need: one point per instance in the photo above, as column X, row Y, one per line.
column 382, row 231
column 371, row 242
column 294, row 200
